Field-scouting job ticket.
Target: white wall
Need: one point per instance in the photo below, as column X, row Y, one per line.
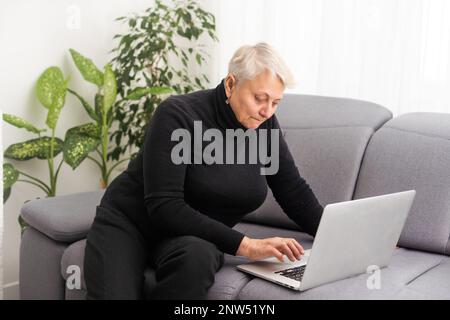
column 35, row 35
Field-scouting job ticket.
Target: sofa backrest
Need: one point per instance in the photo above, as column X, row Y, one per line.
column 412, row 151
column 327, row 138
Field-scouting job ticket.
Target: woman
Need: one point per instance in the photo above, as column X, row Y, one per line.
column 178, row 217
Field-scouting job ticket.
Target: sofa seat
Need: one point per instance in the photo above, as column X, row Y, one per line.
column 410, row 275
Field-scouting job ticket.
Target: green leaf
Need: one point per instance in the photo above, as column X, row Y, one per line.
column 109, row 118
column 187, row 17
column 87, row 68
column 85, row 104
column 58, row 104
column 109, row 89
column 199, row 58
column 45, row 143
column 184, row 55
column 79, row 142
column 138, row 93
column 189, row 33
column 10, row 175
column 99, row 105
column 48, row 84
column 35, row 148
column 89, row 129
column 21, row 123
column 6, row 194
column 22, row 223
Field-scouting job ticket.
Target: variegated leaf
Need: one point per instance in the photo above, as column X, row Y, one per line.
column 109, row 89
column 21, row 123
column 10, row 175
column 87, row 68
column 35, row 148
column 48, row 84
column 79, row 142
column 58, row 104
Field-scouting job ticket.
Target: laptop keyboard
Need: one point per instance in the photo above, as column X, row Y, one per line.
column 295, row 273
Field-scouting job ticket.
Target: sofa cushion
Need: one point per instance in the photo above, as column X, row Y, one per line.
column 64, row 218
column 327, row 138
column 228, row 280
column 311, row 111
column 258, row 231
column 328, row 159
column 433, row 284
column 406, row 266
column 412, row 152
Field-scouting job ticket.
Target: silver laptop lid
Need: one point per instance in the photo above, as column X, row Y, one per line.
column 354, row 235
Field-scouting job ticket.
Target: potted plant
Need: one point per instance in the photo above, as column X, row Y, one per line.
column 51, row 91
column 94, row 136
column 141, row 60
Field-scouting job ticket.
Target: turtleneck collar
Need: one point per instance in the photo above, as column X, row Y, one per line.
column 225, row 116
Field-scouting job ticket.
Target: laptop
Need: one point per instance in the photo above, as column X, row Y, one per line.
column 352, row 237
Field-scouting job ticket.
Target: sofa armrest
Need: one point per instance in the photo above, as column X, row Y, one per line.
column 63, row 218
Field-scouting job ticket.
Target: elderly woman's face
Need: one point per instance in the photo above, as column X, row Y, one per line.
column 254, row 101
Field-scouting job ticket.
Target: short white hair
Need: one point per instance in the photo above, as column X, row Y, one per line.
column 250, row 61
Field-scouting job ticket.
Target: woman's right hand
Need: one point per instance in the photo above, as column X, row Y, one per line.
column 257, row 249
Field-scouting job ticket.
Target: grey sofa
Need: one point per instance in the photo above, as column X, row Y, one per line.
column 346, row 149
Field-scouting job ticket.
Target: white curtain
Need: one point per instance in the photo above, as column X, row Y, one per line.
column 392, row 52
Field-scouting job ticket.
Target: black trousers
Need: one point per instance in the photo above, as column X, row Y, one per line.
column 117, row 254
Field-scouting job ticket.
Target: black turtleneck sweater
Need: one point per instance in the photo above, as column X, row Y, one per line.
column 204, row 200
